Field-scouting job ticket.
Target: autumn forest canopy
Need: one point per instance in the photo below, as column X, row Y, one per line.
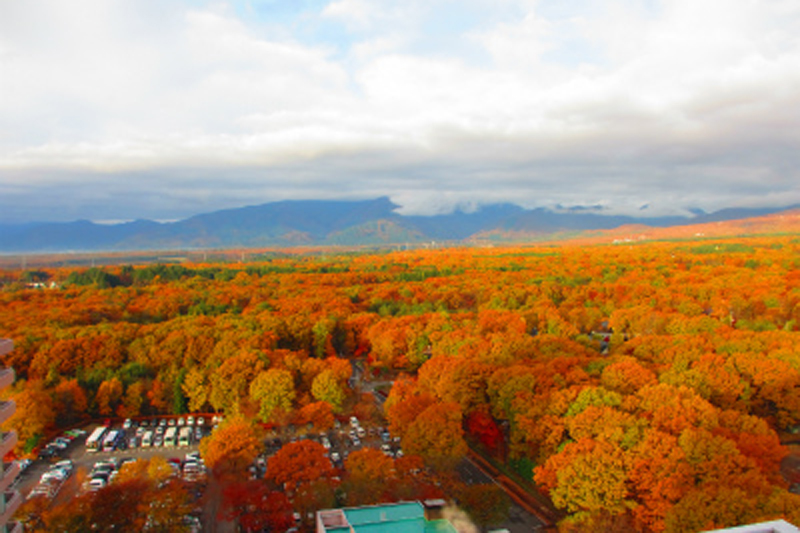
column 644, row 385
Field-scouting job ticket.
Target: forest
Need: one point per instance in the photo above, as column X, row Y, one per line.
column 646, row 385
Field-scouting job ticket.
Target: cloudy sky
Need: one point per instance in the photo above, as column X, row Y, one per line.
column 122, row 109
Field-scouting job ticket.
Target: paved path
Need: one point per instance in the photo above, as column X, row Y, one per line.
column 535, row 505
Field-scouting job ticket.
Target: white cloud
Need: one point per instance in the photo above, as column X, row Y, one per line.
column 439, row 104
column 355, row 14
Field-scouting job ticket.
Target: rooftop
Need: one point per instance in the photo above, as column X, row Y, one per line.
column 775, row 526
column 406, row 517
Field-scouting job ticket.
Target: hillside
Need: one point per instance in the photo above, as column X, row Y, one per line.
column 350, row 223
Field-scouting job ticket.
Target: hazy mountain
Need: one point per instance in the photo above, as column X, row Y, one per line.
column 318, row 222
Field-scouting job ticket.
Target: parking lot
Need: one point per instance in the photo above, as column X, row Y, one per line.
column 343, row 439
column 71, row 456
column 70, row 464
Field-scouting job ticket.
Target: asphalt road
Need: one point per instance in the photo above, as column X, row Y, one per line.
column 519, row 520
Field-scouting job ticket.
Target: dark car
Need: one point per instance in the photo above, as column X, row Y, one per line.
column 47, row 452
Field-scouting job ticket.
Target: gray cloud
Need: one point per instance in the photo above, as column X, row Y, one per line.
column 120, row 110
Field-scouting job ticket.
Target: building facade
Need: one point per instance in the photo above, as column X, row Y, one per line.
column 10, row 499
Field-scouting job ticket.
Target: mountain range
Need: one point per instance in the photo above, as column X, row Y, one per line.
column 320, row 222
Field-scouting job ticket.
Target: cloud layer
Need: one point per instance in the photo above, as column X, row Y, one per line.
column 143, row 108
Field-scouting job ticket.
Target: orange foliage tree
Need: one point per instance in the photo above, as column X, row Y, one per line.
column 297, row 463
column 232, row 447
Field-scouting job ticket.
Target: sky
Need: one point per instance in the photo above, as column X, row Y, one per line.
column 116, row 110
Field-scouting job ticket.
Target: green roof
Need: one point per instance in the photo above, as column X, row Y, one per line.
column 383, row 513
column 394, row 518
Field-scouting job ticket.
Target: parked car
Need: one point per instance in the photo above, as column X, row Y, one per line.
column 96, row 483
column 48, row 452
column 193, row 456
column 48, row 489
column 24, row 464
column 66, row 464
column 58, row 474
column 61, row 443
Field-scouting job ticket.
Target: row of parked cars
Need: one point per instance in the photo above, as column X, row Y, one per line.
column 147, row 433
column 192, row 468
column 345, row 437
column 53, row 479
column 58, row 446
column 190, row 420
column 103, row 473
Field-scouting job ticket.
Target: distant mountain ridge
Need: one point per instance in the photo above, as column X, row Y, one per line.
column 321, row 222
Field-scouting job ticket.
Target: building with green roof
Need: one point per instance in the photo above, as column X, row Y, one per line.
column 403, row 517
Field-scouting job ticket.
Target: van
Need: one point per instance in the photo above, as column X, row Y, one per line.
column 185, row 436
column 147, row 440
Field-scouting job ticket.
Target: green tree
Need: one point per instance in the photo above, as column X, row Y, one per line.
column 274, row 393
column 327, row 388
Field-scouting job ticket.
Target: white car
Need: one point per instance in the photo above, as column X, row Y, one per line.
column 55, row 474
column 66, row 464
column 44, row 489
column 95, row 484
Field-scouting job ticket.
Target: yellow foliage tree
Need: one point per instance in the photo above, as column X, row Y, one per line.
column 274, row 393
